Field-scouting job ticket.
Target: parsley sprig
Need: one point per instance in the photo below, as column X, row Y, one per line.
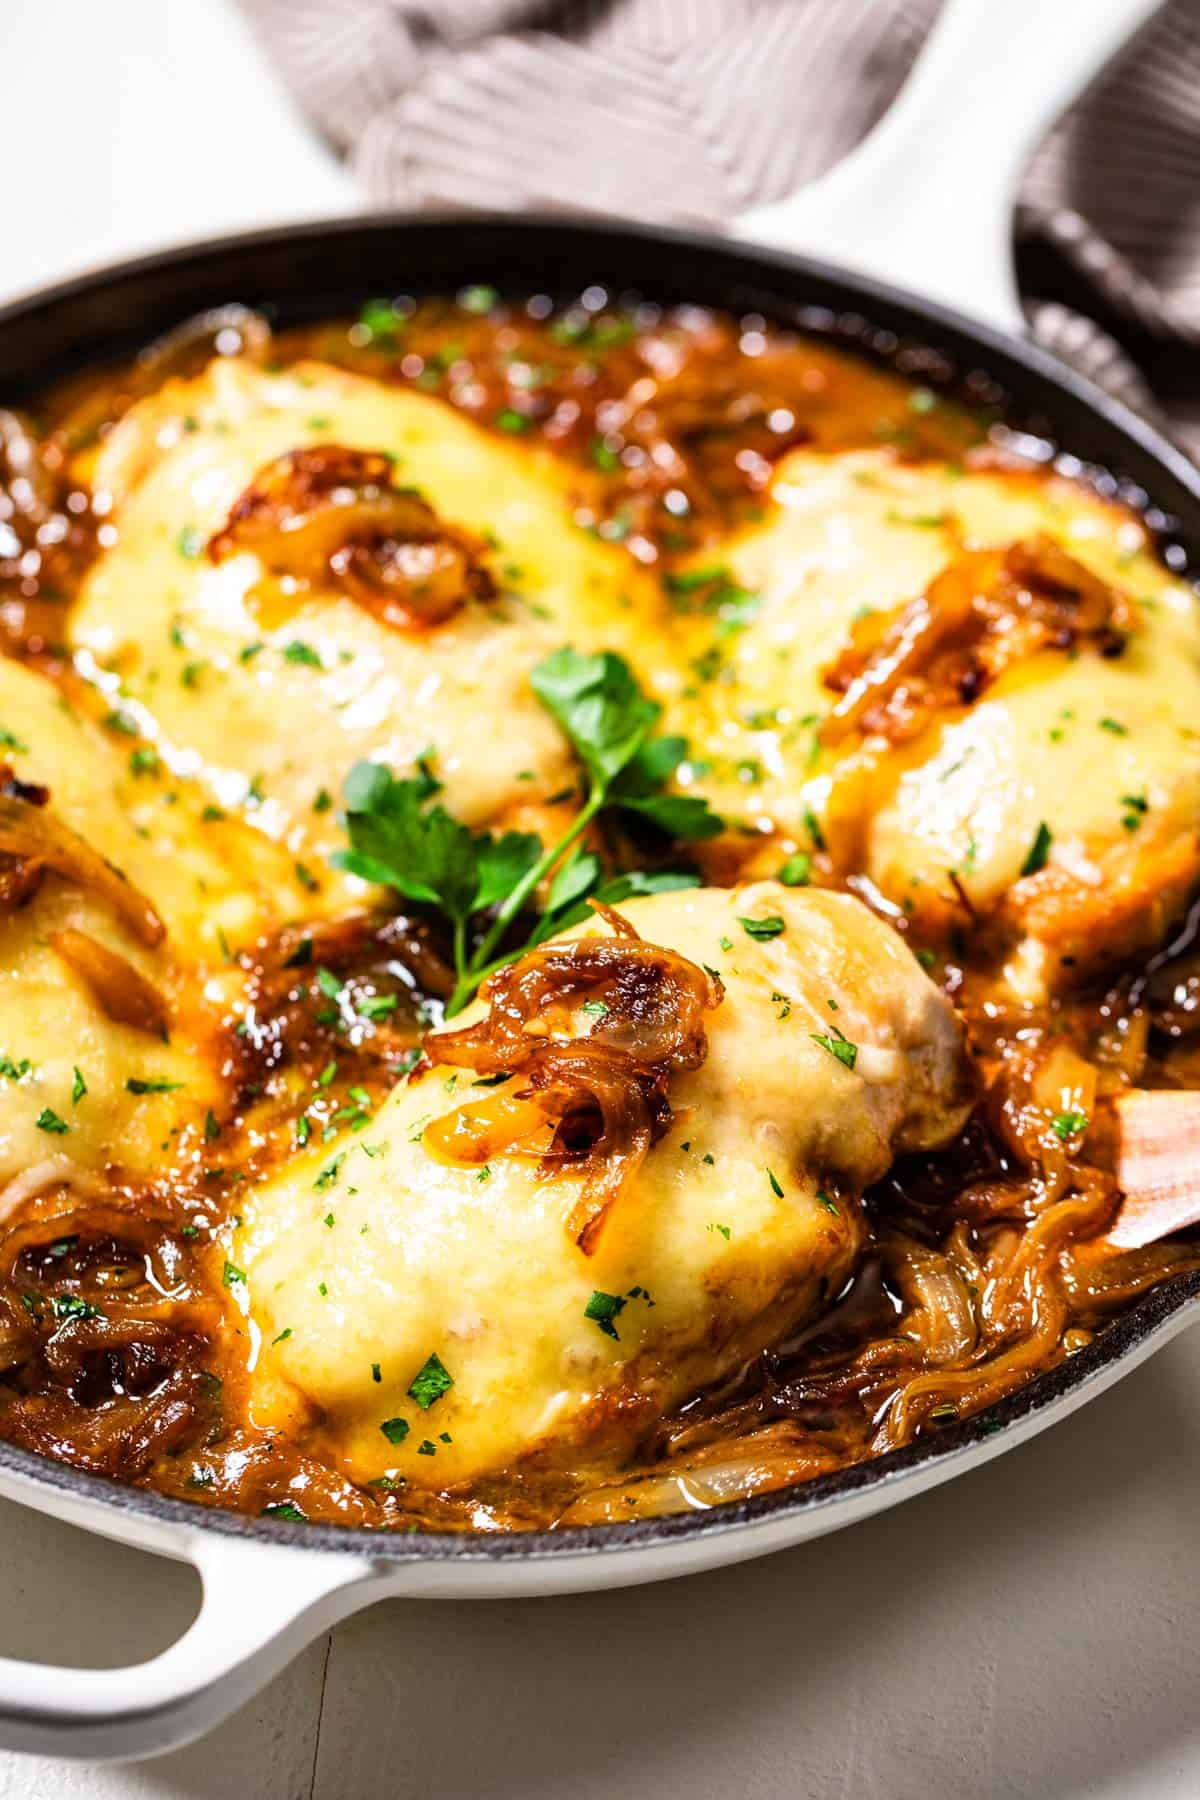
column 403, row 838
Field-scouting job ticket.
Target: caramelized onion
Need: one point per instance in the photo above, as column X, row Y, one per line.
column 122, row 991
column 327, row 514
column 594, row 1081
column 38, row 839
column 985, row 611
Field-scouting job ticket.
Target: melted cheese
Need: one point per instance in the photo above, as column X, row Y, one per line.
column 205, row 649
column 371, row 1255
column 49, row 1019
column 1059, row 738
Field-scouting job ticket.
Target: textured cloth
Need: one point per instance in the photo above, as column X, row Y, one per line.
column 690, row 111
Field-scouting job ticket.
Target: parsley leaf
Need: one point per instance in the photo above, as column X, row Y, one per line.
column 797, row 870
column 430, row 1382
column 284, row 1509
column 401, row 837
column 763, row 929
column 837, row 1045
column 602, row 1309
column 1038, row 851
column 598, row 706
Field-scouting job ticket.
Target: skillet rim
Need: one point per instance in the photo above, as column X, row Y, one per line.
column 848, row 300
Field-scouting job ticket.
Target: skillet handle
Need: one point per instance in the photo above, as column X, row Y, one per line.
column 925, row 201
column 262, row 1604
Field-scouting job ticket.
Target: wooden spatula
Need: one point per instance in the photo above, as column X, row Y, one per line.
column 1158, row 1165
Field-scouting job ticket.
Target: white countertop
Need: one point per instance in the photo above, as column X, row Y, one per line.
column 1029, row 1632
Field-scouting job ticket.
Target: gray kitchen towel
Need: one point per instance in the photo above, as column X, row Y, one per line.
column 689, row 111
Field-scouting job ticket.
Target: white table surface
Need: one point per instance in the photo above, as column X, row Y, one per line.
column 1030, row 1632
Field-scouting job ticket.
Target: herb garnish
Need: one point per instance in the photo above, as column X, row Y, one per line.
column 430, row 1382
column 1038, row 851
column 797, row 870
column 602, row 1309
column 763, row 929
column 837, row 1044
column 397, row 837
column 284, row 1509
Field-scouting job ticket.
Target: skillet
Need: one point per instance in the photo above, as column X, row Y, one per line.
column 924, row 204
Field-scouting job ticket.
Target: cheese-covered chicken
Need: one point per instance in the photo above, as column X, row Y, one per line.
column 981, row 689
column 312, row 567
column 105, row 897
column 443, row 1291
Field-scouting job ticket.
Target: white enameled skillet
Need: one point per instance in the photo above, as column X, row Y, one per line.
column 912, row 234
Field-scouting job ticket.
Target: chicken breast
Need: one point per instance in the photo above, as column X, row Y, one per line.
column 268, row 685
column 1066, row 791
column 430, row 1319
column 134, row 878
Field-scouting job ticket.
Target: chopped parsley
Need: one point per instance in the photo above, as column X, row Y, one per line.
column 144, row 760
column 1039, row 850
column 282, row 1337
column 1115, row 726
column 837, row 1044
column 299, row 652
column 284, row 1509
column 48, row 1120
column 797, row 870
column 329, row 983
column 151, row 1084
column 1137, row 806
column 1067, row 1125
column 190, row 542
column 763, row 929
column 78, row 1087
column 775, row 1187
column 395, row 1430
column 813, row 827
column 430, row 1382
column 377, row 1006
column 827, row 1201
column 380, row 321
column 602, row 1309
column 329, row 1173
column 74, row 1306
column 232, row 1276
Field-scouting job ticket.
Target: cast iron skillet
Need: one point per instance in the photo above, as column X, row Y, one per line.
column 269, row 1586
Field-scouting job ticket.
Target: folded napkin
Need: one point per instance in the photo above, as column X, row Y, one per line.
column 689, row 111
